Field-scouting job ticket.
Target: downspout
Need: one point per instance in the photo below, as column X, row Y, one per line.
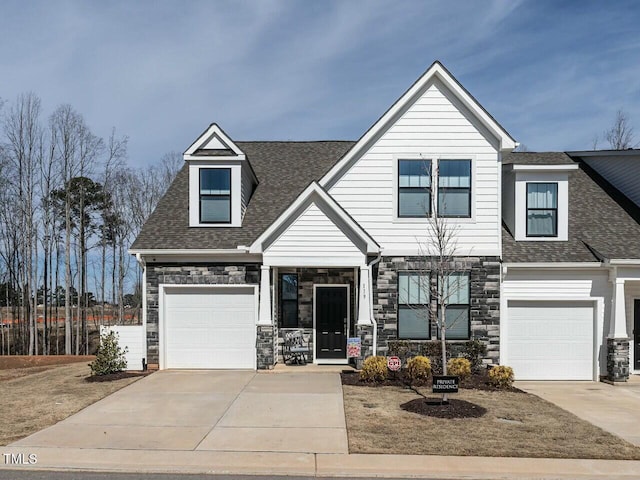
column 373, row 320
column 143, row 289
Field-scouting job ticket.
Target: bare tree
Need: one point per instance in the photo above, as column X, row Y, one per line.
column 620, row 136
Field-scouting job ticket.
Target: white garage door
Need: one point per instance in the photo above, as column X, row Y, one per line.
column 550, row 340
column 210, row 327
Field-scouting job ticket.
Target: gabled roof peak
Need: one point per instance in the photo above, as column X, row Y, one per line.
column 214, row 144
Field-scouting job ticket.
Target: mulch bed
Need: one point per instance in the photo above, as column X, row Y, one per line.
column 477, row 381
column 115, row 376
column 433, row 407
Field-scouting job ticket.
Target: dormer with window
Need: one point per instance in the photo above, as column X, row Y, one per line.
column 221, row 180
column 535, row 200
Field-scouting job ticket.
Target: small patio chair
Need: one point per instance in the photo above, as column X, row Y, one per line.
column 295, row 348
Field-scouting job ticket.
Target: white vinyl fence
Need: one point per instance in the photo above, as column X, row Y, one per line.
column 132, row 337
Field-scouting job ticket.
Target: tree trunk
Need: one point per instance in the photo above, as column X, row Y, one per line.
column 67, row 279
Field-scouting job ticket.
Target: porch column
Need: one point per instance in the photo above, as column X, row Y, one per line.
column 364, row 301
column 618, row 340
column 264, row 313
column 618, row 324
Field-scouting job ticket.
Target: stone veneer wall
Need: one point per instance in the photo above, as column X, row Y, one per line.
column 484, row 308
column 203, row 274
column 617, row 360
column 307, row 277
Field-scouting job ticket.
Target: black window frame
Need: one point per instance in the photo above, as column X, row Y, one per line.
column 459, row 305
column 282, row 301
column 201, row 196
column 413, row 306
column 542, row 235
column 409, row 189
column 446, row 189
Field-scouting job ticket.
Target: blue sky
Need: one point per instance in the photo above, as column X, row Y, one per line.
column 552, row 73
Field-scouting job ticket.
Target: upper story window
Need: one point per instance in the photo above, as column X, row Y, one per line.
column 454, row 188
column 413, row 305
column 414, row 188
column 215, row 195
column 542, row 209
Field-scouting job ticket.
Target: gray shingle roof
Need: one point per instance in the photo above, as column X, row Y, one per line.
column 283, row 169
column 602, row 222
column 537, row 158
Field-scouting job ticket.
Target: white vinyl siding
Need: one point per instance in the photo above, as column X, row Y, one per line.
column 131, row 338
column 209, row 327
column 313, row 239
column 433, row 127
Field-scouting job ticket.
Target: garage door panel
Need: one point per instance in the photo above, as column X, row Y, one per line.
column 210, row 328
column 549, row 340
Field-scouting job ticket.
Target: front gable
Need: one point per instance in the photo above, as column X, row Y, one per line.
column 314, row 231
column 436, row 121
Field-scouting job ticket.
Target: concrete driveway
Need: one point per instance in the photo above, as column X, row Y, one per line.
column 211, row 410
column 615, row 409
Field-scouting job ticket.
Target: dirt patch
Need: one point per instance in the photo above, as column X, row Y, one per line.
column 31, row 403
column 115, row 376
column 515, row 424
column 26, row 361
column 434, row 407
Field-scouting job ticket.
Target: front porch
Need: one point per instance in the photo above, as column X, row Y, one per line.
column 321, row 302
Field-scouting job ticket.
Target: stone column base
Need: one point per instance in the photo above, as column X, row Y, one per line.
column 617, row 360
column 365, row 332
column 266, row 346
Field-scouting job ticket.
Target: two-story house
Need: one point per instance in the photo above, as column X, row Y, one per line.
column 254, row 239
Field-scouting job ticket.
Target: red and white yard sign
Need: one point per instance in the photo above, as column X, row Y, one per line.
column 393, row 363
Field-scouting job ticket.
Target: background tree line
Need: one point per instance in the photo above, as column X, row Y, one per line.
column 70, row 206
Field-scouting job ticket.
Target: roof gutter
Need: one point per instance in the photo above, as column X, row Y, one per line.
column 186, row 251
column 552, row 265
column 623, row 261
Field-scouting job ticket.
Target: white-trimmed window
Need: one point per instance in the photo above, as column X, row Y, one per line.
column 215, row 195
column 542, row 209
column 454, row 188
column 414, row 188
column 413, row 306
column 457, row 298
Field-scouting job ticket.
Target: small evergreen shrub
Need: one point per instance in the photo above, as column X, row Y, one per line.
column 401, row 348
column 501, row 376
column 374, row 369
column 418, row 368
column 110, row 357
column 460, row 367
column 474, row 351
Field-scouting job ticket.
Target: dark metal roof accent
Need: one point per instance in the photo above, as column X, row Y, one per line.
column 603, row 223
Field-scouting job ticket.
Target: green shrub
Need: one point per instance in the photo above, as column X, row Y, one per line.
column 460, row 367
column 110, row 357
column 501, row 376
column 474, row 351
column 401, row 348
column 374, row 369
column 418, row 368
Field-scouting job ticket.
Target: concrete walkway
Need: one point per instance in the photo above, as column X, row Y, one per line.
column 238, row 411
column 615, row 409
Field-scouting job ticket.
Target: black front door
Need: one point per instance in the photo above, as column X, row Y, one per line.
column 331, row 322
column 636, row 334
